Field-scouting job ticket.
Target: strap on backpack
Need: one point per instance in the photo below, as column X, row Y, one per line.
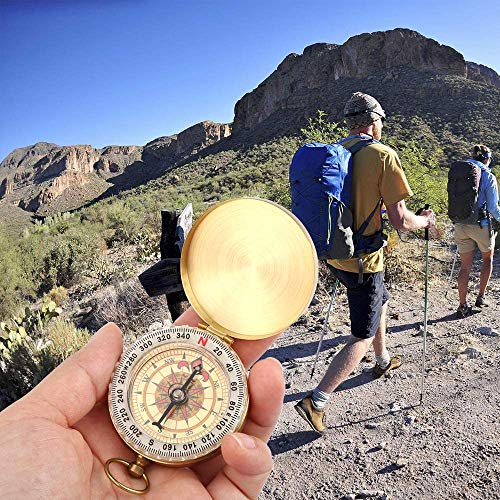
column 357, row 146
column 359, row 234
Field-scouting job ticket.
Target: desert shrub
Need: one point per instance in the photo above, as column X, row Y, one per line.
column 33, row 359
column 147, row 245
column 402, row 260
column 25, row 326
column 100, row 270
column 279, row 192
column 63, row 339
column 31, row 345
column 15, row 284
column 320, row 129
column 27, row 366
column 58, row 295
column 128, row 305
column 60, row 259
column 425, row 175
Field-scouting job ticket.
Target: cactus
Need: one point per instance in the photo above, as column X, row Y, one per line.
column 25, row 326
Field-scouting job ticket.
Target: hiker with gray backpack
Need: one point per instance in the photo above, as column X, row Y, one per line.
column 472, row 202
column 337, row 192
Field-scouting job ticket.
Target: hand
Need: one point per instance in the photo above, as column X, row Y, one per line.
column 56, row 439
column 434, row 232
column 431, row 218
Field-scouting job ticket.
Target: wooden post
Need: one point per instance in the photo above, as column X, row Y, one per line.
column 177, row 301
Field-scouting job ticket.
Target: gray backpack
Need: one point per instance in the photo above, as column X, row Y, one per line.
column 463, row 188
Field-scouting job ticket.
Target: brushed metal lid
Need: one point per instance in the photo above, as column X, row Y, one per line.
column 249, row 268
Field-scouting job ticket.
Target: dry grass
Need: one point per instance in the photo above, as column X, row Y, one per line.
column 33, row 359
column 63, row 338
column 128, row 305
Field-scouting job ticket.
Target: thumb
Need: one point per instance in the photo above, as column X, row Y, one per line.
column 74, row 387
column 248, row 465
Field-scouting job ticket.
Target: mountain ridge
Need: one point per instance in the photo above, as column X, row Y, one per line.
column 417, row 79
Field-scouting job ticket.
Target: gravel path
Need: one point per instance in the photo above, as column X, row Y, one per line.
column 381, row 443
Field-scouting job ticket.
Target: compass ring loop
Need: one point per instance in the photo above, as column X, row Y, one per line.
column 118, row 483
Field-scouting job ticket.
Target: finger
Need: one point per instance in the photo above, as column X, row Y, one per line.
column 249, row 351
column 74, row 387
column 248, row 465
column 266, row 390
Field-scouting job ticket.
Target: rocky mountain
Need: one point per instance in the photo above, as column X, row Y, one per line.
column 412, row 76
column 46, row 178
column 429, row 91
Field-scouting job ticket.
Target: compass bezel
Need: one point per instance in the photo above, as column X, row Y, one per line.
column 132, row 432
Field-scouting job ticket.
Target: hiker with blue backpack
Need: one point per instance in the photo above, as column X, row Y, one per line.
column 337, row 192
column 472, row 202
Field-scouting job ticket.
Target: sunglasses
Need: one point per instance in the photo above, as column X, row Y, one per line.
column 382, row 117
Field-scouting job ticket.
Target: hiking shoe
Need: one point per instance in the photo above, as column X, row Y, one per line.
column 464, row 311
column 481, row 301
column 315, row 418
column 395, row 362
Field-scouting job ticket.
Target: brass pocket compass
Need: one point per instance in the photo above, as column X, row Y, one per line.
column 249, row 269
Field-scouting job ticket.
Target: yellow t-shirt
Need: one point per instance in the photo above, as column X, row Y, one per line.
column 377, row 173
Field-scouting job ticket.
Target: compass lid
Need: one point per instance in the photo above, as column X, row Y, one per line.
column 249, row 268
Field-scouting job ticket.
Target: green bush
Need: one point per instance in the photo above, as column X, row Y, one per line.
column 15, row 284
column 60, row 259
column 320, row 129
column 426, row 177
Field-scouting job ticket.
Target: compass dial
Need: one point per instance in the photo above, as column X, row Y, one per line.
column 175, row 394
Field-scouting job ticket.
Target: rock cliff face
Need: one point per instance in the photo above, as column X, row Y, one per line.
column 6, row 187
column 38, row 177
column 362, row 57
column 190, row 141
column 481, row 73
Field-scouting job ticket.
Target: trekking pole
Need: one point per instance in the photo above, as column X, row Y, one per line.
column 424, row 353
column 451, row 274
column 325, row 325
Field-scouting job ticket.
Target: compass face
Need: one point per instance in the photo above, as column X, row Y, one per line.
column 175, row 394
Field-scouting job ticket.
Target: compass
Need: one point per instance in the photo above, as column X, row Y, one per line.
column 249, row 269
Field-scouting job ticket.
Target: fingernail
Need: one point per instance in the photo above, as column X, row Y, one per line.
column 246, row 442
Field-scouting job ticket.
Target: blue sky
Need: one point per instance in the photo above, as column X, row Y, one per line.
column 107, row 72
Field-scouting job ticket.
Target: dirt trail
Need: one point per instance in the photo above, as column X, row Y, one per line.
column 381, row 442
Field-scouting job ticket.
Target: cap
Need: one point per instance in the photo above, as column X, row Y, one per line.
column 362, row 110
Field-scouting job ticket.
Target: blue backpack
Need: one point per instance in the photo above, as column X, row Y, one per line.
column 320, row 185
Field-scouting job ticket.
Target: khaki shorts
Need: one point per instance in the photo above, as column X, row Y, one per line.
column 468, row 235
